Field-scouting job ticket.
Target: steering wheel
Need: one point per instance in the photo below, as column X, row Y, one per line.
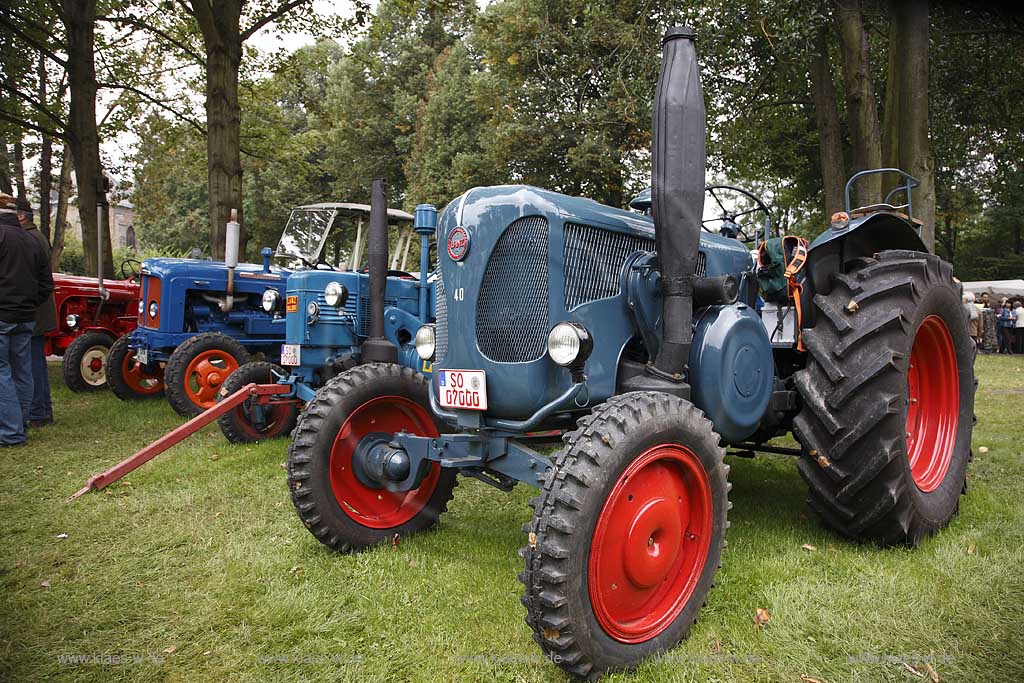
column 130, row 268
column 746, row 231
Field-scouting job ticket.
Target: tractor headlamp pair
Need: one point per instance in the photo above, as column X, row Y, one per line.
column 271, row 300
column 335, row 294
column 569, row 345
column 426, row 341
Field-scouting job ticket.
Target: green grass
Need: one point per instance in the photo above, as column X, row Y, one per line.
column 201, row 552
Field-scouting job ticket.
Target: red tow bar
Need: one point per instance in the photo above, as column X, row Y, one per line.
column 104, row 479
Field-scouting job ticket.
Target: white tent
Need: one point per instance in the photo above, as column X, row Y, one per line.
column 996, row 288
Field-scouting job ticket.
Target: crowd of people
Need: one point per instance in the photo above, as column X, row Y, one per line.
column 1008, row 317
column 27, row 313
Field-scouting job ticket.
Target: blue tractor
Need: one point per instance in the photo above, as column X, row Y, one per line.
column 652, row 345
column 328, row 316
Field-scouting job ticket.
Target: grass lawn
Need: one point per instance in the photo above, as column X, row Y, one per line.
column 196, row 568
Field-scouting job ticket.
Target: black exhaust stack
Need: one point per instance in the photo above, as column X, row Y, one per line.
column 376, row 348
column 678, row 156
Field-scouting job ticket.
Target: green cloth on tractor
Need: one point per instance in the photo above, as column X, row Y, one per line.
column 771, row 275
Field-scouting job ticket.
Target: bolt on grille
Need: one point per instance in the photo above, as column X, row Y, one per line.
column 441, row 322
column 512, row 305
column 594, row 260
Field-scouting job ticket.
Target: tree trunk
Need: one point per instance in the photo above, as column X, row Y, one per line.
column 45, row 161
column 19, row 167
column 861, row 105
column 60, row 220
column 5, row 170
column 826, row 113
column 79, row 18
column 223, row 123
column 906, row 115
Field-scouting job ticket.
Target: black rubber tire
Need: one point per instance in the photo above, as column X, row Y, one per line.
column 115, row 377
column 310, row 451
column 237, row 425
column 854, row 399
column 573, row 493
column 177, row 364
column 71, row 364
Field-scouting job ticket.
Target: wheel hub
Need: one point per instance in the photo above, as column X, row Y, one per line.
column 92, row 366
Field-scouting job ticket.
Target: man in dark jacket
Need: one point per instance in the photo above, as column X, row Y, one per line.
column 40, row 413
column 25, row 283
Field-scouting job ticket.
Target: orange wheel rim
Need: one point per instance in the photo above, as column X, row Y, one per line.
column 139, row 379
column 205, row 374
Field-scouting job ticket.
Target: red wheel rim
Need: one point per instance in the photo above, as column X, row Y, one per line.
column 377, row 508
column 137, row 379
column 933, row 409
column 651, row 543
column 204, row 375
column 274, row 418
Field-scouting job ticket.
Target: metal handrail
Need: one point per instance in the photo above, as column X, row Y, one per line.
column 911, row 183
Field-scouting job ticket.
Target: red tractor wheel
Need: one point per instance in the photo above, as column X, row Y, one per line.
column 367, row 403
column 627, row 534
column 130, row 380
column 197, row 369
column 887, row 399
column 84, row 362
column 251, row 422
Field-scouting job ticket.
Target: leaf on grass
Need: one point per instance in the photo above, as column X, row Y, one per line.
column 44, row 584
column 19, row 565
column 983, row 449
column 395, row 540
column 810, row 679
column 206, row 653
column 762, row 616
column 808, row 547
column 296, row 569
column 970, row 548
column 170, row 650
column 214, row 456
column 932, row 673
column 912, row 670
column 62, row 535
column 716, row 646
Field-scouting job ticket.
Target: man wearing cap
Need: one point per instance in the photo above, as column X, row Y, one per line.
column 25, row 283
column 40, row 413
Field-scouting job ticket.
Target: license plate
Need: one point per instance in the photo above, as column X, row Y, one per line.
column 291, row 354
column 462, row 389
column 142, row 356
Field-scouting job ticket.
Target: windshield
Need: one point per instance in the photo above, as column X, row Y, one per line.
column 304, row 235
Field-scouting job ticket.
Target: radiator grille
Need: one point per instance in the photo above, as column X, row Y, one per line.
column 594, row 260
column 332, row 314
column 441, row 315
column 512, row 305
column 364, row 313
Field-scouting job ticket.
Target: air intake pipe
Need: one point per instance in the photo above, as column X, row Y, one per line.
column 678, row 155
column 377, row 348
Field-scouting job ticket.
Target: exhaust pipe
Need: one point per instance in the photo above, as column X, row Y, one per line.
column 678, row 156
column 377, row 348
column 232, row 234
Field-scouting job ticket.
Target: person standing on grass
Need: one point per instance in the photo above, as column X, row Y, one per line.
column 40, row 413
column 25, row 283
column 973, row 318
column 1018, row 325
column 1004, row 325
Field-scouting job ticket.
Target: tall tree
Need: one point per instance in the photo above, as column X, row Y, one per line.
column 826, row 111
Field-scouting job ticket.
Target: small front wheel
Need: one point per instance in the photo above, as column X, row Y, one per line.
column 197, row 369
column 627, row 534
column 130, row 380
column 85, row 360
column 369, row 402
column 250, row 422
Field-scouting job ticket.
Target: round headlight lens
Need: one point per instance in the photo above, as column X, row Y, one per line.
column 72, row 320
column 426, row 342
column 142, row 306
column 335, row 294
column 312, row 310
column 271, row 299
column 153, row 308
column 569, row 343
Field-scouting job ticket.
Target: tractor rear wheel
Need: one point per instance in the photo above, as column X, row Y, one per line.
column 370, row 401
column 627, row 534
column 249, row 422
column 197, row 369
column 128, row 379
column 887, row 399
column 84, row 362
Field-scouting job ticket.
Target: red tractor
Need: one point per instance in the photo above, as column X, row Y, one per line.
column 90, row 317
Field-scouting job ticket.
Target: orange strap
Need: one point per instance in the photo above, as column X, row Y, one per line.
column 795, row 250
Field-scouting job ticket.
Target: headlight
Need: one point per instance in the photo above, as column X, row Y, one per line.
column 569, row 344
column 271, row 300
column 312, row 312
column 72, row 320
column 153, row 308
column 425, row 342
column 335, row 294
column 142, row 306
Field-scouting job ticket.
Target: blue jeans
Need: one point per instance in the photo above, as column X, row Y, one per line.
column 41, row 408
column 15, row 380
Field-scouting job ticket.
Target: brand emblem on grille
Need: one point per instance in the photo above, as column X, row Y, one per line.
column 458, row 243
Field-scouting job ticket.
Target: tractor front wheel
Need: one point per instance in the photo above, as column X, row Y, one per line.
column 368, row 402
column 197, row 369
column 251, row 422
column 85, row 360
column 129, row 380
column 887, row 399
column 627, row 534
